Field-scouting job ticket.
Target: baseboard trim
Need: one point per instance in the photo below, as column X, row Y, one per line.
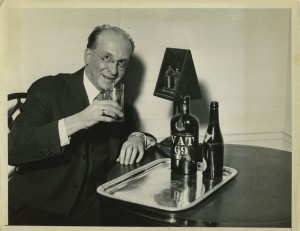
column 257, row 136
column 250, row 136
column 287, row 137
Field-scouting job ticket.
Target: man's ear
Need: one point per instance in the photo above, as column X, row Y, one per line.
column 87, row 56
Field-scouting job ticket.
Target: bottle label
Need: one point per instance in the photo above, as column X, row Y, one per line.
column 213, row 154
column 207, row 137
column 184, row 146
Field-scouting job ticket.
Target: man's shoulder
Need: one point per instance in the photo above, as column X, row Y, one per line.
column 59, row 80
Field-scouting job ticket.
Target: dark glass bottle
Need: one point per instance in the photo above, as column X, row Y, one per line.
column 185, row 153
column 213, row 146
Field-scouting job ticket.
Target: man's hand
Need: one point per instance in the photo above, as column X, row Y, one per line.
column 104, row 110
column 132, row 149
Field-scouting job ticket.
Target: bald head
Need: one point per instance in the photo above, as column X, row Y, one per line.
column 107, row 29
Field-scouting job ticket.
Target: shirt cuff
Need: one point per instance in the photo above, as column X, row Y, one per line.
column 149, row 141
column 63, row 136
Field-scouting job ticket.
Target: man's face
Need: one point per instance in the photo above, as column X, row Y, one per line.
column 112, row 46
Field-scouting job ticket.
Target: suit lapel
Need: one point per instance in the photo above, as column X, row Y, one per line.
column 75, row 99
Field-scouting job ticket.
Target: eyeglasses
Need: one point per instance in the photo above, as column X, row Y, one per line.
column 108, row 60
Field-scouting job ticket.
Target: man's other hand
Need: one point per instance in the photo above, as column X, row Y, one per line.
column 132, row 150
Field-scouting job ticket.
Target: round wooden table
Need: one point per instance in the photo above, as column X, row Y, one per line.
column 259, row 196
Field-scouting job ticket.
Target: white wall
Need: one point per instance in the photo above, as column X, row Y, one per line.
column 241, row 58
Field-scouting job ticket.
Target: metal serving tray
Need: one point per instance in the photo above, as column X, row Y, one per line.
column 154, row 185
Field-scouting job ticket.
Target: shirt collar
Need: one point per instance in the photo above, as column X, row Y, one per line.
column 90, row 89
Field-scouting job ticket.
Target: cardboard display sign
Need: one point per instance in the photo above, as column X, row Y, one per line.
column 177, row 76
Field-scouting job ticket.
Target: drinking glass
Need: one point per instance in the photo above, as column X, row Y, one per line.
column 116, row 93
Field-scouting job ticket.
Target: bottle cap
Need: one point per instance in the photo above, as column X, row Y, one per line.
column 214, row 104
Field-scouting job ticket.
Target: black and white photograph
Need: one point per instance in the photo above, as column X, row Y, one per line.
column 149, row 115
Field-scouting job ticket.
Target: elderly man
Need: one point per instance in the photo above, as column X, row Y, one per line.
column 64, row 142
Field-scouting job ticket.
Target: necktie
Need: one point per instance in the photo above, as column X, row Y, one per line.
column 100, row 96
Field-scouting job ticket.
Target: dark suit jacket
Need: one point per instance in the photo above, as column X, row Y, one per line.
column 49, row 176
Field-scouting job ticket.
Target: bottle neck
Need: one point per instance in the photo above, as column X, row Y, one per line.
column 185, row 106
column 214, row 113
